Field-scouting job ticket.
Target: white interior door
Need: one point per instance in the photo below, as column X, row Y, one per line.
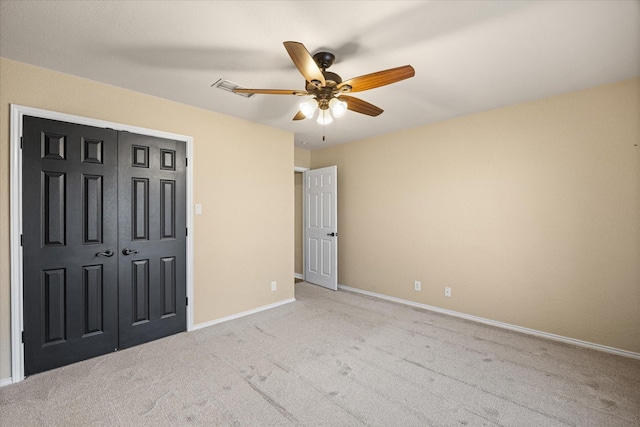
column 321, row 227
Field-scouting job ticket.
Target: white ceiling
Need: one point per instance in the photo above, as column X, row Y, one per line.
column 469, row 56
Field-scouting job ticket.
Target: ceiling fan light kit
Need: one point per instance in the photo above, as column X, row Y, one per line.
column 335, row 106
column 327, row 88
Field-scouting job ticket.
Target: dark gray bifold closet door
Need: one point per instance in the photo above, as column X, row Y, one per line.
column 83, row 205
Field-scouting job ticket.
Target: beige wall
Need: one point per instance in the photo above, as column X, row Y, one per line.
column 242, row 178
column 530, row 213
column 302, row 158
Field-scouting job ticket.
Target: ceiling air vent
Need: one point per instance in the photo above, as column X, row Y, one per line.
column 230, row 86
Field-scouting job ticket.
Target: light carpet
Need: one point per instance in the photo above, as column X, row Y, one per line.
column 336, row 359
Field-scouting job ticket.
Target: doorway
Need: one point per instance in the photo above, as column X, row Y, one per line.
column 316, row 226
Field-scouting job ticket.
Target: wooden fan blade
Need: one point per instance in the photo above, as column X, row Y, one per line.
column 273, row 91
column 380, row 78
column 360, row 106
column 305, row 63
column 299, row 116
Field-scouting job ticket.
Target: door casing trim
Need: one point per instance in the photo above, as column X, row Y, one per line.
column 16, row 226
column 302, row 170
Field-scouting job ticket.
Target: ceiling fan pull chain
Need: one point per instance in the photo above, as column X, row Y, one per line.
column 323, row 125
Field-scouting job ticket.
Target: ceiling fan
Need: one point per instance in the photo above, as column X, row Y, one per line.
column 327, row 88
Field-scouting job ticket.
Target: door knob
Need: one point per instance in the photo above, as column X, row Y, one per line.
column 127, row 251
column 107, row 253
column 332, row 234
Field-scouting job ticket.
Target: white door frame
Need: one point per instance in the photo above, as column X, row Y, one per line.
column 16, row 225
column 304, row 207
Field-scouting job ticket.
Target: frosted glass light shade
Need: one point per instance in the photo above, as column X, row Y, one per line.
column 338, row 108
column 324, row 118
column 309, row 107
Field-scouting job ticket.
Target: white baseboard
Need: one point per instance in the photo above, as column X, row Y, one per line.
column 6, row 381
column 239, row 315
column 298, row 276
column 497, row 324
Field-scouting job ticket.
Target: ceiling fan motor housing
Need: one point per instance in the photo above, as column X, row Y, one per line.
column 331, row 79
column 323, row 94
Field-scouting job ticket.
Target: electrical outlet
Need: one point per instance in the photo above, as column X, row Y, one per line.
column 447, row 292
column 417, row 285
column 274, row 286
